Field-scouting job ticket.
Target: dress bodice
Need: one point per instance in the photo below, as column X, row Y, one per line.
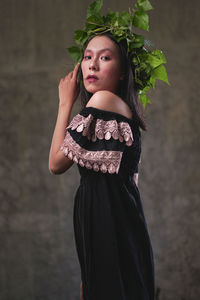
column 103, row 141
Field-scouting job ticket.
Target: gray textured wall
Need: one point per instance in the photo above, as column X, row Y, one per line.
column 37, row 254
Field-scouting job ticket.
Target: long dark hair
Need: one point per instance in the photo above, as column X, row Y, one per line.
column 126, row 90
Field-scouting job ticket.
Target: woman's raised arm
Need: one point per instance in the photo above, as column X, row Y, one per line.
column 69, row 88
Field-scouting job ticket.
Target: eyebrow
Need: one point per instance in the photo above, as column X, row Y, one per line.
column 102, row 50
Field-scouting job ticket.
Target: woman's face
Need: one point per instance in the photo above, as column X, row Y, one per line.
column 102, row 61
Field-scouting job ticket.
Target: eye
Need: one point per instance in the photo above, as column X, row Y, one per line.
column 105, row 57
column 87, row 57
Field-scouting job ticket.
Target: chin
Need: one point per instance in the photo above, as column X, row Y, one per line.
column 92, row 90
column 95, row 88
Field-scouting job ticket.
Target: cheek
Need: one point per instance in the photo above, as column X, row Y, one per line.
column 111, row 71
column 82, row 69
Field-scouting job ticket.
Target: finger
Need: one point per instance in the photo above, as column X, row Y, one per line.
column 69, row 75
column 61, row 81
column 75, row 71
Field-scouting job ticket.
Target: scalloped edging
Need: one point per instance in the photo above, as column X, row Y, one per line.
column 104, row 161
column 101, row 129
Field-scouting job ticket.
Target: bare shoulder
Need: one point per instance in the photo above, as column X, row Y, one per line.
column 107, row 100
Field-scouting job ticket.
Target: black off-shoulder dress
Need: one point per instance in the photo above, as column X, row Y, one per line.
column 111, row 235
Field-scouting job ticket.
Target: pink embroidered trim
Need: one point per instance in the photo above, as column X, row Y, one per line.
column 104, row 161
column 101, row 129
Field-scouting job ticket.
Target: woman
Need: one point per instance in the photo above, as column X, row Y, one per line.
column 104, row 140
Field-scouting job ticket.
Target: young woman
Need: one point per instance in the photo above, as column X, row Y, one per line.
column 104, row 140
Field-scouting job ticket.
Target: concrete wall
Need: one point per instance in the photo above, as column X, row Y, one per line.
column 37, row 254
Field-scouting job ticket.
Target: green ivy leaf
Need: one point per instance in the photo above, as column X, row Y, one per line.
column 109, row 17
column 144, row 4
column 144, row 99
column 80, row 37
column 152, row 82
column 75, row 52
column 139, row 39
column 160, row 73
column 159, row 54
column 141, row 20
column 125, row 18
column 137, row 42
column 146, row 88
column 115, row 19
column 93, row 22
column 154, row 60
column 94, row 8
column 136, row 45
column 135, row 60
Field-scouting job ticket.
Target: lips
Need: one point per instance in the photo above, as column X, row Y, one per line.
column 92, row 78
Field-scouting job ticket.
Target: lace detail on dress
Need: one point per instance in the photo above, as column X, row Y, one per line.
column 101, row 129
column 104, row 161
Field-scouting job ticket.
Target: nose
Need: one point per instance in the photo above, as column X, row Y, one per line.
column 93, row 65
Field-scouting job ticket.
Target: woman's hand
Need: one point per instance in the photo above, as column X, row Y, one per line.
column 69, row 87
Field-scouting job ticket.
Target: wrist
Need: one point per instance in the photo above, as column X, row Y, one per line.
column 66, row 106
